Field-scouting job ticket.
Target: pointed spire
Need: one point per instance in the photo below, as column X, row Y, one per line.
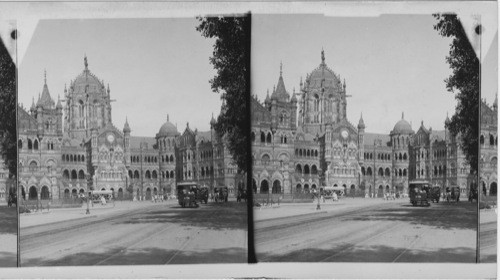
column 59, row 104
column 361, row 123
column 322, row 56
column 495, row 103
column 45, row 76
column 33, row 104
column 126, row 127
column 65, row 90
column 85, row 62
column 281, row 68
column 108, row 89
column 301, row 82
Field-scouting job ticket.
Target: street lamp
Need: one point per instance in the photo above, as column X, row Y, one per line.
column 318, row 206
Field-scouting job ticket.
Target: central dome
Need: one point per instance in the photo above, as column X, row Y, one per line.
column 402, row 127
column 168, row 130
column 323, row 76
column 87, row 82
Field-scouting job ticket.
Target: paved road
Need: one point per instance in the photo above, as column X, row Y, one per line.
column 488, row 236
column 157, row 234
column 380, row 232
column 8, row 236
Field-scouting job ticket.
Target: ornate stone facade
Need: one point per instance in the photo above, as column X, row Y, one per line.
column 488, row 141
column 304, row 141
column 59, row 159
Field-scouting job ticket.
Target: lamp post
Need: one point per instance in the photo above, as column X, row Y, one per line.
column 320, row 173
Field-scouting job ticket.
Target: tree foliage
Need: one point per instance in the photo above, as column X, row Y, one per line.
column 8, row 137
column 231, row 60
column 464, row 83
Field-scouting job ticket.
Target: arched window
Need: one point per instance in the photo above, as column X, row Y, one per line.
column 74, row 175
column 266, row 159
column 66, row 174
column 405, row 157
column 492, row 140
column 404, row 172
column 81, row 174
column 369, row 171
column 298, row 169
column 314, row 169
column 155, row 174
column 148, row 174
column 269, row 139
column 481, row 140
column 20, row 144
column 387, row 172
column 380, row 172
column 35, row 144
column 33, row 166
column 253, row 136
column 136, row 174
column 30, row 144
column 262, row 137
column 306, row 169
column 363, row 171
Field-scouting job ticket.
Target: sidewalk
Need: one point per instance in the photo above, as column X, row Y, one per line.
column 56, row 215
column 297, row 209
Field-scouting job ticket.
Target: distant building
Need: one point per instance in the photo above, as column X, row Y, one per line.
column 488, row 141
column 70, row 149
column 303, row 141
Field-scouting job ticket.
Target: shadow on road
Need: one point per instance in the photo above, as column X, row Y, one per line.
column 223, row 216
column 8, row 259
column 379, row 253
column 8, row 216
column 145, row 256
column 463, row 215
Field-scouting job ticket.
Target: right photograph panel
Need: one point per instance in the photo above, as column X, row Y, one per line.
column 364, row 139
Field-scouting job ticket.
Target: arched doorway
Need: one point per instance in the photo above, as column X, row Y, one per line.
column 44, row 194
column 254, row 186
column 380, row 192
column 493, row 188
column 155, row 191
column 387, row 189
column 148, row 194
column 120, row 193
column 74, row 193
column 33, row 194
column 306, row 188
column 264, row 186
column 298, row 188
column 276, row 186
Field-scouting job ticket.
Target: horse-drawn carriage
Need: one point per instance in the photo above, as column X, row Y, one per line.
column 452, row 194
column 419, row 193
column 221, row 194
column 189, row 194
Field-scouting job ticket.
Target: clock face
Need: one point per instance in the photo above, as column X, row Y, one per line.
column 344, row 134
column 111, row 138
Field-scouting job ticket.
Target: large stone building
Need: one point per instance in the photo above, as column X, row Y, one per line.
column 488, row 141
column 303, row 140
column 66, row 150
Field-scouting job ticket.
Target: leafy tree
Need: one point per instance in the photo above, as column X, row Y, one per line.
column 231, row 60
column 8, row 138
column 464, row 82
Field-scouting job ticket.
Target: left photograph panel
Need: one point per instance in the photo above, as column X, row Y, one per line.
column 8, row 151
column 124, row 158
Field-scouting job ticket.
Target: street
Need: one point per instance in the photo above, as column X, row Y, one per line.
column 367, row 230
column 139, row 233
column 488, row 236
column 8, row 236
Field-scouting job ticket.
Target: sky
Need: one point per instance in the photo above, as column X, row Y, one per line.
column 391, row 64
column 154, row 67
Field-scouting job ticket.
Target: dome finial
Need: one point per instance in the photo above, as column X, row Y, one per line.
column 168, row 118
column 403, row 115
column 85, row 62
column 45, row 76
column 322, row 56
column 281, row 68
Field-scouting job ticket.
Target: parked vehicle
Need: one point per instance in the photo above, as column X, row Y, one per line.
column 186, row 194
column 221, row 194
column 202, row 194
column 419, row 193
column 435, row 194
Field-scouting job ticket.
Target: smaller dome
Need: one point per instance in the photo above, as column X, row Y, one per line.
column 168, row 130
column 402, row 127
